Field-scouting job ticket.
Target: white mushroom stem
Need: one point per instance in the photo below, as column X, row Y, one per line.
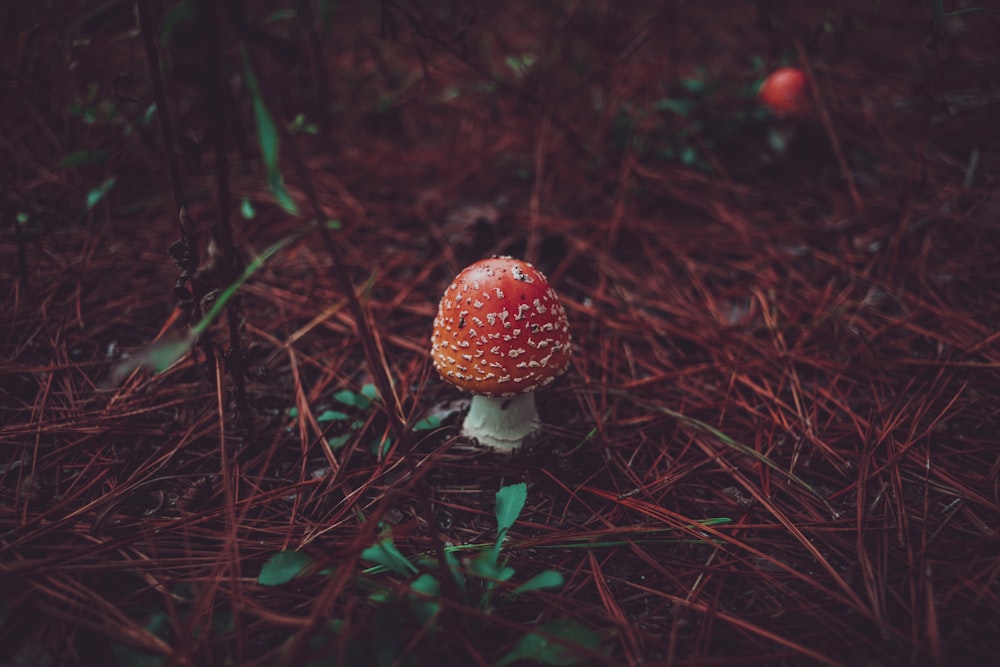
column 501, row 423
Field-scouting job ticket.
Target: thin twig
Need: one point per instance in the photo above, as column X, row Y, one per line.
column 213, row 86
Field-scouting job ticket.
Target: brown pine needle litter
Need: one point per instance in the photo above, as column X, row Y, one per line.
column 778, row 442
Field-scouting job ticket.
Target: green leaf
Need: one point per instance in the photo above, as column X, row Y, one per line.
column 331, row 416
column 353, row 399
column 381, row 446
column 424, row 586
column 541, row 649
column 510, row 502
column 159, row 356
column 281, row 15
column 83, row 157
column 381, row 596
column 681, row 107
column 247, row 210
column 546, row 579
column 369, row 391
column 427, row 424
column 283, row 567
column 267, row 136
column 338, row 441
column 385, row 553
column 456, row 570
column 777, row 140
column 485, row 565
column 695, row 86
column 95, row 196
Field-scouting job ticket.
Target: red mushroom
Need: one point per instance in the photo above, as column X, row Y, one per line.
column 785, row 92
column 500, row 333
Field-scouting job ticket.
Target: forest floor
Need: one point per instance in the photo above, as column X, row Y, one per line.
column 777, row 441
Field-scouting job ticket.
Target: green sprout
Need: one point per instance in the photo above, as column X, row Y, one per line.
column 300, row 125
column 349, row 423
column 520, row 65
column 561, row 642
column 267, row 137
column 164, row 353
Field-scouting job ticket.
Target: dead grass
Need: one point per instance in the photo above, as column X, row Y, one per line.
column 752, row 342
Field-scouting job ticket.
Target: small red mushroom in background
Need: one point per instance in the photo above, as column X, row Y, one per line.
column 785, row 92
column 500, row 333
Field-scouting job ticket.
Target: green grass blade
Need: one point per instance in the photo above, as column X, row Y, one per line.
column 162, row 354
column 728, row 442
column 267, row 136
column 95, row 195
column 283, row 567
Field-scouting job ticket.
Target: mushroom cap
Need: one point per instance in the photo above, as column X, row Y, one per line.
column 500, row 329
column 785, row 92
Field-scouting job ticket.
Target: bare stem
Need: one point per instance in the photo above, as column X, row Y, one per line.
column 501, row 424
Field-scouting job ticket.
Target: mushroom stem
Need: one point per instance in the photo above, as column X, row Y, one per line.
column 501, row 423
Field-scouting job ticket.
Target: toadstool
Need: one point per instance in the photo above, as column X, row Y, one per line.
column 785, row 92
column 500, row 333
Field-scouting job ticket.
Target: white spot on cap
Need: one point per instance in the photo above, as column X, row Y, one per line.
column 520, row 275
